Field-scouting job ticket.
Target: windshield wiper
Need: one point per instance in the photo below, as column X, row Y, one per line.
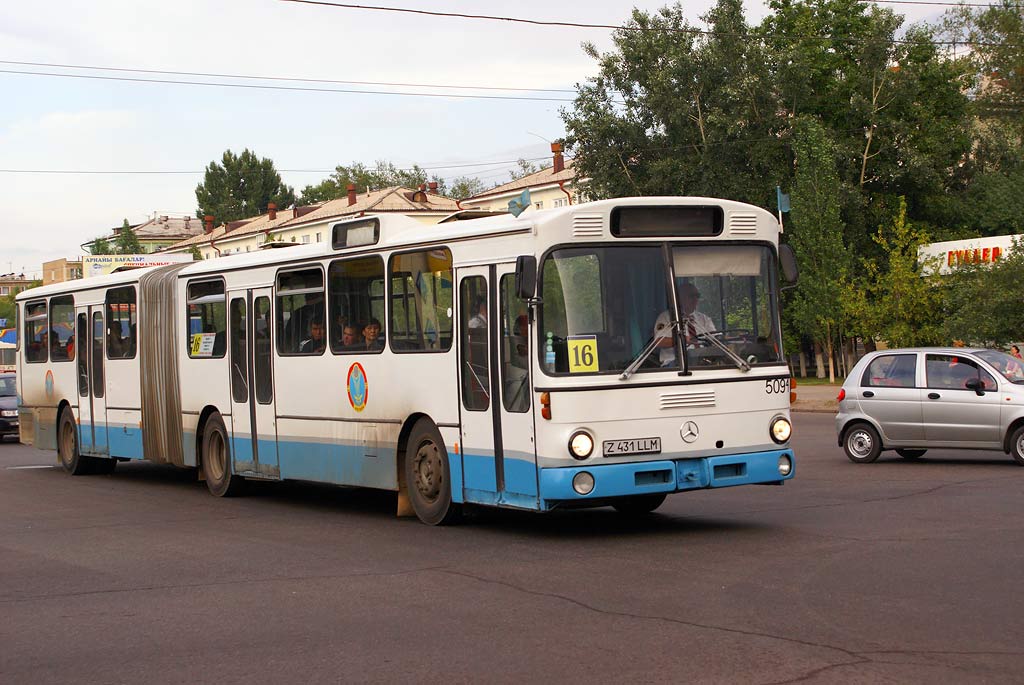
column 646, row 352
column 709, row 336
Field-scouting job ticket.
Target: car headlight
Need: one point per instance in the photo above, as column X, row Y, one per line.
column 581, row 445
column 781, row 429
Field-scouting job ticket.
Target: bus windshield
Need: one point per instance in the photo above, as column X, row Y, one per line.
column 603, row 306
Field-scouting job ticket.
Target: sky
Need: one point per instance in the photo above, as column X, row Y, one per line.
column 50, row 123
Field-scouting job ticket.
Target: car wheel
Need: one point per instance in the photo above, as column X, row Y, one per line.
column 67, row 446
column 1017, row 445
column 862, row 444
column 217, row 459
column 911, row 454
column 428, row 476
column 639, row 505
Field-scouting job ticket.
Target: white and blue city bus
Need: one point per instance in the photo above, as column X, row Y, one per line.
column 502, row 361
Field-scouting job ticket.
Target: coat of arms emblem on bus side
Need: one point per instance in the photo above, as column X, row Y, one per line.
column 357, row 387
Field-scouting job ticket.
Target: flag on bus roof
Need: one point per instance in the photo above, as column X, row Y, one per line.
column 520, row 204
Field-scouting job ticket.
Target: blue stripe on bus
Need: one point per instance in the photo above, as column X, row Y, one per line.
column 334, row 462
column 616, row 480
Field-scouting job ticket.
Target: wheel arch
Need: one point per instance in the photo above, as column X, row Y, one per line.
column 404, row 506
column 1014, row 425
column 204, row 416
column 859, row 420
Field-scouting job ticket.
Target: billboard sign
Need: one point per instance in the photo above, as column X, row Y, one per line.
column 103, row 264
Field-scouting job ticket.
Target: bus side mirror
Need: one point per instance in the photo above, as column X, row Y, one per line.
column 526, row 277
column 787, row 260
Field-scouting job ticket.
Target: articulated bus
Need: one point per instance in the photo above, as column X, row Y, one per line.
column 606, row 353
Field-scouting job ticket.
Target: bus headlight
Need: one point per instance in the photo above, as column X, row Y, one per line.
column 583, row 483
column 581, row 445
column 781, row 429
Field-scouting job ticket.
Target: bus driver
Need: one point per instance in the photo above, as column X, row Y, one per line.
column 692, row 324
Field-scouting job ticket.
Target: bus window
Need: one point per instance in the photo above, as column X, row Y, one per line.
column 421, row 301
column 35, row 332
column 122, row 333
column 515, row 377
column 97, row 355
column 300, row 312
column 62, row 328
column 239, row 360
column 261, row 350
column 356, row 298
column 206, row 337
column 476, row 387
column 83, row 355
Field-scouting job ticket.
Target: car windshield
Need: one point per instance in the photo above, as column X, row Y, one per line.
column 1010, row 367
column 602, row 306
column 7, row 386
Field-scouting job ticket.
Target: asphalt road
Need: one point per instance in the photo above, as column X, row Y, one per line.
column 888, row 572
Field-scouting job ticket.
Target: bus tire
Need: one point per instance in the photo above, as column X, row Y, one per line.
column 217, row 459
column 67, row 446
column 428, row 476
column 639, row 505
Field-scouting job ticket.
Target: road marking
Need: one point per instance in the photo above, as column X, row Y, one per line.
column 40, row 466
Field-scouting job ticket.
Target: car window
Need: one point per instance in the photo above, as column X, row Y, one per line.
column 951, row 372
column 892, row 371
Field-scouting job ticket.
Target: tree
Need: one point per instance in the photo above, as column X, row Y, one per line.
column 983, row 301
column 196, row 254
column 241, row 186
column 99, row 246
column 383, row 175
column 895, row 300
column 816, row 234
column 127, row 242
column 524, row 168
column 680, row 112
column 465, row 186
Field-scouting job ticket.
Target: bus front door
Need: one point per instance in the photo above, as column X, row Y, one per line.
column 253, row 420
column 92, row 404
column 499, row 462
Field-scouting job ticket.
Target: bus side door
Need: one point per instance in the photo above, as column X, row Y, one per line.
column 92, row 407
column 498, row 456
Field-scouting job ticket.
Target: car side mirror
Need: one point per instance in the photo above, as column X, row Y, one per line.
column 526, row 277
column 976, row 385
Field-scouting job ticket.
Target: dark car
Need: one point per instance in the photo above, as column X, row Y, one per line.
column 8, row 406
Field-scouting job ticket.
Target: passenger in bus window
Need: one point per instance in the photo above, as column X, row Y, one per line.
column 371, row 335
column 693, row 324
column 349, row 336
column 479, row 319
column 314, row 344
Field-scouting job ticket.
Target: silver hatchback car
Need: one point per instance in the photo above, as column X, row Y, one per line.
column 910, row 400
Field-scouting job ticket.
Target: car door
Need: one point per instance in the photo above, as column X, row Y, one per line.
column 891, row 395
column 955, row 416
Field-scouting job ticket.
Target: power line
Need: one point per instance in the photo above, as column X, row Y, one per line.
column 282, row 78
column 642, row 29
column 307, row 89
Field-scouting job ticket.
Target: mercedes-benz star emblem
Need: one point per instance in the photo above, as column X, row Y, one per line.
column 689, row 431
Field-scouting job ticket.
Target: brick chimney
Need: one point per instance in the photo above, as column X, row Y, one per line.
column 433, row 187
column 559, row 163
column 272, row 211
column 208, row 221
column 351, row 194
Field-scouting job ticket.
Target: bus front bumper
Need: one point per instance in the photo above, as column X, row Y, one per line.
column 675, row 475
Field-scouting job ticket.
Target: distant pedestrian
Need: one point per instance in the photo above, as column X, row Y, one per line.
column 1015, row 352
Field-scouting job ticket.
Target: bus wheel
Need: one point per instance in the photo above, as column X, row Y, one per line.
column 67, row 446
column 428, row 477
column 638, row 505
column 217, row 459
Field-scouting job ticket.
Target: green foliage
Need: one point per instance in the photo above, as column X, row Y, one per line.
column 383, row 175
column 894, row 301
column 196, row 254
column 524, row 168
column 816, row 234
column 127, row 242
column 8, row 309
column 241, row 186
column 100, row 246
column 983, row 302
column 464, row 186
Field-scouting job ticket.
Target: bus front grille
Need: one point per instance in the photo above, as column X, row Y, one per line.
column 687, row 398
